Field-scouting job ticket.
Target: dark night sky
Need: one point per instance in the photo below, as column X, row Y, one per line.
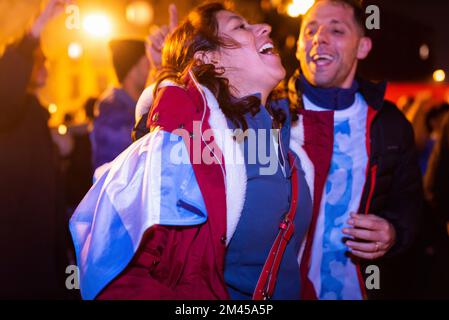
column 404, row 26
column 434, row 14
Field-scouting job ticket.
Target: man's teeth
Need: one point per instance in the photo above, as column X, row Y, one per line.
column 266, row 48
column 319, row 57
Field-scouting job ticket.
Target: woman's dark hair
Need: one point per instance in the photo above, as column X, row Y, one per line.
column 199, row 33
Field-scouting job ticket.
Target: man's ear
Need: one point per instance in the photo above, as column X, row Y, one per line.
column 207, row 57
column 364, row 49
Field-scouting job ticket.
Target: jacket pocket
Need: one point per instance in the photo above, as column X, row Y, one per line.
column 190, row 204
column 151, row 251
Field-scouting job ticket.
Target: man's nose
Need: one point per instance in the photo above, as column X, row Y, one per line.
column 321, row 36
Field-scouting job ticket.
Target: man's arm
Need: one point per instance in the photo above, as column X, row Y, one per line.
column 392, row 230
column 406, row 196
column 16, row 66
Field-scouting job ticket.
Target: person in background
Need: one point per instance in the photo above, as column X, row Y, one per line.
column 78, row 171
column 115, row 109
column 433, row 120
column 32, row 226
column 415, row 111
column 425, row 116
column 436, row 187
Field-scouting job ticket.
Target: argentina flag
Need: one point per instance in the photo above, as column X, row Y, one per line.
column 125, row 201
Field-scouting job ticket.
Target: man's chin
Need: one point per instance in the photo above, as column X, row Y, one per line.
column 322, row 82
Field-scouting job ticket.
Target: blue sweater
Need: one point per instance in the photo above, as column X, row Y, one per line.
column 267, row 200
column 113, row 126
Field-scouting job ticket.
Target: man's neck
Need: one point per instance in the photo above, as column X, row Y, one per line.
column 328, row 98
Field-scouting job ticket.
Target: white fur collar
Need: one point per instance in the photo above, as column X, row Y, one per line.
column 234, row 164
column 235, row 176
column 296, row 145
column 146, row 99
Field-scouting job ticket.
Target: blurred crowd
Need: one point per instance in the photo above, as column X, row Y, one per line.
column 430, row 255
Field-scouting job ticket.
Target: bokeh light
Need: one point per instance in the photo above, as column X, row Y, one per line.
column 424, row 51
column 290, row 41
column 75, row 50
column 62, row 129
column 52, row 108
column 97, row 25
column 299, row 7
column 439, row 75
column 140, row 13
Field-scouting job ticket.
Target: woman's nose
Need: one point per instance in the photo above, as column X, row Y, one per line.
column 262, row 29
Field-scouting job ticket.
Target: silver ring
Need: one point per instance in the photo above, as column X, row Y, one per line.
column 377, row 246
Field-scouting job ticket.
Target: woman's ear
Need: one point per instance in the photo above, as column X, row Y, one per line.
column 208, row 57
column 364, row 49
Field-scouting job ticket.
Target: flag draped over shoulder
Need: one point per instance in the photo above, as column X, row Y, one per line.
column 152, row 182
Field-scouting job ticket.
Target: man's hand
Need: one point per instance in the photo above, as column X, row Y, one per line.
column 52, row 9
column 372, row 236
column 157, row 37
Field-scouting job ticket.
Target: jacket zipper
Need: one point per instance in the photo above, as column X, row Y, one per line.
column 373, row 173
column 283, row 165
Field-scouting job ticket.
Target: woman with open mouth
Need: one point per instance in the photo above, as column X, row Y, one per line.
column 196, row 209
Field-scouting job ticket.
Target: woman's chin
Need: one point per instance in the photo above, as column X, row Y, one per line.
column 278, row 75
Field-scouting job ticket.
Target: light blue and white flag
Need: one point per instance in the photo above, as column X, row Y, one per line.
column 142, row 187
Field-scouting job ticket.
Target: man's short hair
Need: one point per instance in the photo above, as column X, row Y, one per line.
column 357, row 8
